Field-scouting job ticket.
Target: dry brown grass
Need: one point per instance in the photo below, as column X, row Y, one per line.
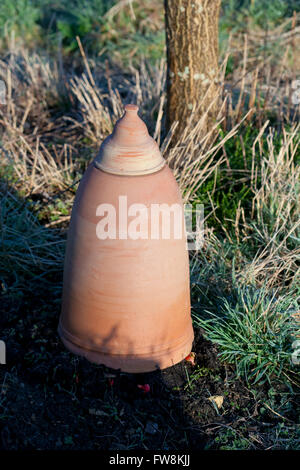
column 275, row 222
column 27, row 248
column 41, row 147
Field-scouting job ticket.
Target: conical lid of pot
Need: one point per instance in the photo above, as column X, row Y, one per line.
column 129, row 150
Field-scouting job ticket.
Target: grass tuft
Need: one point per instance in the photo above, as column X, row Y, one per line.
column 255, row 331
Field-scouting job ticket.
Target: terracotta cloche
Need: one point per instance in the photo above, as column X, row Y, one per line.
column 126, row 296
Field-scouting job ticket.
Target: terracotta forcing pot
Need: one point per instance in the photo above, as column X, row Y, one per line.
column 126, row 298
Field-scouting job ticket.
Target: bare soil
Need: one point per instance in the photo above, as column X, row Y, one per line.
column 50, row 399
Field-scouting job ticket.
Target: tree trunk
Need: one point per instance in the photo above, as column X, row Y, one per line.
column 192, row 53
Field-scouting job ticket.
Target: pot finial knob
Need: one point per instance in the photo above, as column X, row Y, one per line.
column 129, row 150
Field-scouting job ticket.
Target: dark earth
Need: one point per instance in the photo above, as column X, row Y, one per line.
column 51, row 399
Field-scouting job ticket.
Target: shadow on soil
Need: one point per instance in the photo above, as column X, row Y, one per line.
column 51, row 399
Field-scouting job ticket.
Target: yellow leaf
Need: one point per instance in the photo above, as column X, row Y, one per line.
column 217, row 399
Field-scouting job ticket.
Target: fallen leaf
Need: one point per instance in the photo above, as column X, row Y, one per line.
column 145, row 388
column 191, row 358
column 217, row 399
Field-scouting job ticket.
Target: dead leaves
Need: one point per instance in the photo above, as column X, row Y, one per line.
column 216, row 400
column 191, row 358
